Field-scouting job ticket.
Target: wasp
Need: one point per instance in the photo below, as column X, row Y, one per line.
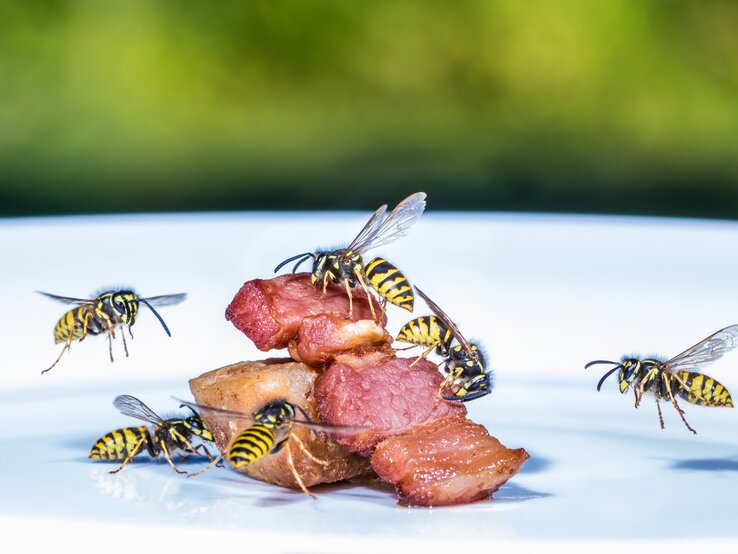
column 103, row 314
column 677, row 376
column 268, row 430
column 169, row 435
column 345, row 266
column 464, row 362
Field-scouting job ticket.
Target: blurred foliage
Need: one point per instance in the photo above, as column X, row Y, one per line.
column 623, row 106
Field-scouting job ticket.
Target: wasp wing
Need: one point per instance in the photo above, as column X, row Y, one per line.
column 67, row 299
column 249, row 418
column 450, row 325
column 218, row 412
column 378, row 231
column 133, row 407
column 706, row 351
column 166, row 299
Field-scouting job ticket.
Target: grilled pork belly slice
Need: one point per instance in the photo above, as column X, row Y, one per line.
column 270, row 312
column 381, row 391
column 322, row 337
column 246, row 387
column 448, row 461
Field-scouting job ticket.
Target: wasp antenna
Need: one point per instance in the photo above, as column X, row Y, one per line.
column 306, row 416
column 606, row 375
column 595, row 362
column 166, row 329
column 191, row 409
column 300, row 257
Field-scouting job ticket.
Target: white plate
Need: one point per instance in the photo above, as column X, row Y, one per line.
column 547, row 294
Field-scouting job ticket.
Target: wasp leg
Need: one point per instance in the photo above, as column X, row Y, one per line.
column 130, row 456
column 212, row 464
column 169, row 458
column 125, row 345
column 325, row 282
column 424, row 354
column 207, row 453
column 291, row 464
column 637, row 400
column 307, row 452
column 450, row 378
column 351, row 299
column 678, row 409
column 369, row 295
column 661, row 417
column 66, row 347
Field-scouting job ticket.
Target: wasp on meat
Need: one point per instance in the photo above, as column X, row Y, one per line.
column 103, row 314
column 464, row 362
column 345, row 266
column 677, row 376
column 169, row 435
column 267, row 431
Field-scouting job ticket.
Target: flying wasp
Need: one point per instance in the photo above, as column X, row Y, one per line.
column 464, row 362
column 267, row 431
column 102, row 314
column 677, row 376
column 345, row 266
column 169, row 435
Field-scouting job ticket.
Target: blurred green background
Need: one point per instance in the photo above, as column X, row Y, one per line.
column 574, row 106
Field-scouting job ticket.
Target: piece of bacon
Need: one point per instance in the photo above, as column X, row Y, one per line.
column 247, row 386
column 381, row 391
column 448, row 461
column 322, row 337
column 269, row 312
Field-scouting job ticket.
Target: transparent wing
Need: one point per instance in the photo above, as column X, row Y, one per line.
column 166, row 299
column 248, row 419
column 378, row 231
column 706, row 351
column 450, row 325
column 133, row 407
column 67, row 299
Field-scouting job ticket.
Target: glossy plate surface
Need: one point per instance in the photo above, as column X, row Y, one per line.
column 546, row 294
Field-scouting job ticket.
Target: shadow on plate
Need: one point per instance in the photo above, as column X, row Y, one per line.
column 706, row 464
column 536, row 464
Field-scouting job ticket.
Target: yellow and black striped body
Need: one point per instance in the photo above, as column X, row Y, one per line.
column 119, row 444
column 653, row 376
column 427, row 331
column 390, row 283
column 704, row 390
column 259, row 439
column 250, row 446
column 78, row 323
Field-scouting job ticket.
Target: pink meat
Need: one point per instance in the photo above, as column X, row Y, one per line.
column 322, row 337
column 383, row 392
column 269, row 312
column 449, row 461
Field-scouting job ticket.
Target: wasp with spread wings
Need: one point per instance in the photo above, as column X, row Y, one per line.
column 267, row 431
column 169, row 435
column 464, row 362
column 345, row 266
column 678, row 376
column 103, row 314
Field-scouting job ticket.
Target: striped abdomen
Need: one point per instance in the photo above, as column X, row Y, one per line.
column 712, row 393
column 390, row 283
column 117, row 444
column 425, row 331
column 73, row 323
column 251, row 446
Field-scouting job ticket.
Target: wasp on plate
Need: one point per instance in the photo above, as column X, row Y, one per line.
column 103, row 314
column 169, row 435
column 266, row 431
column 345, row 266
column 464, row 362
column 677, row 376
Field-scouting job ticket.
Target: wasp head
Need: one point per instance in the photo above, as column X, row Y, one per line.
column 275, row 413
column 125, row 305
